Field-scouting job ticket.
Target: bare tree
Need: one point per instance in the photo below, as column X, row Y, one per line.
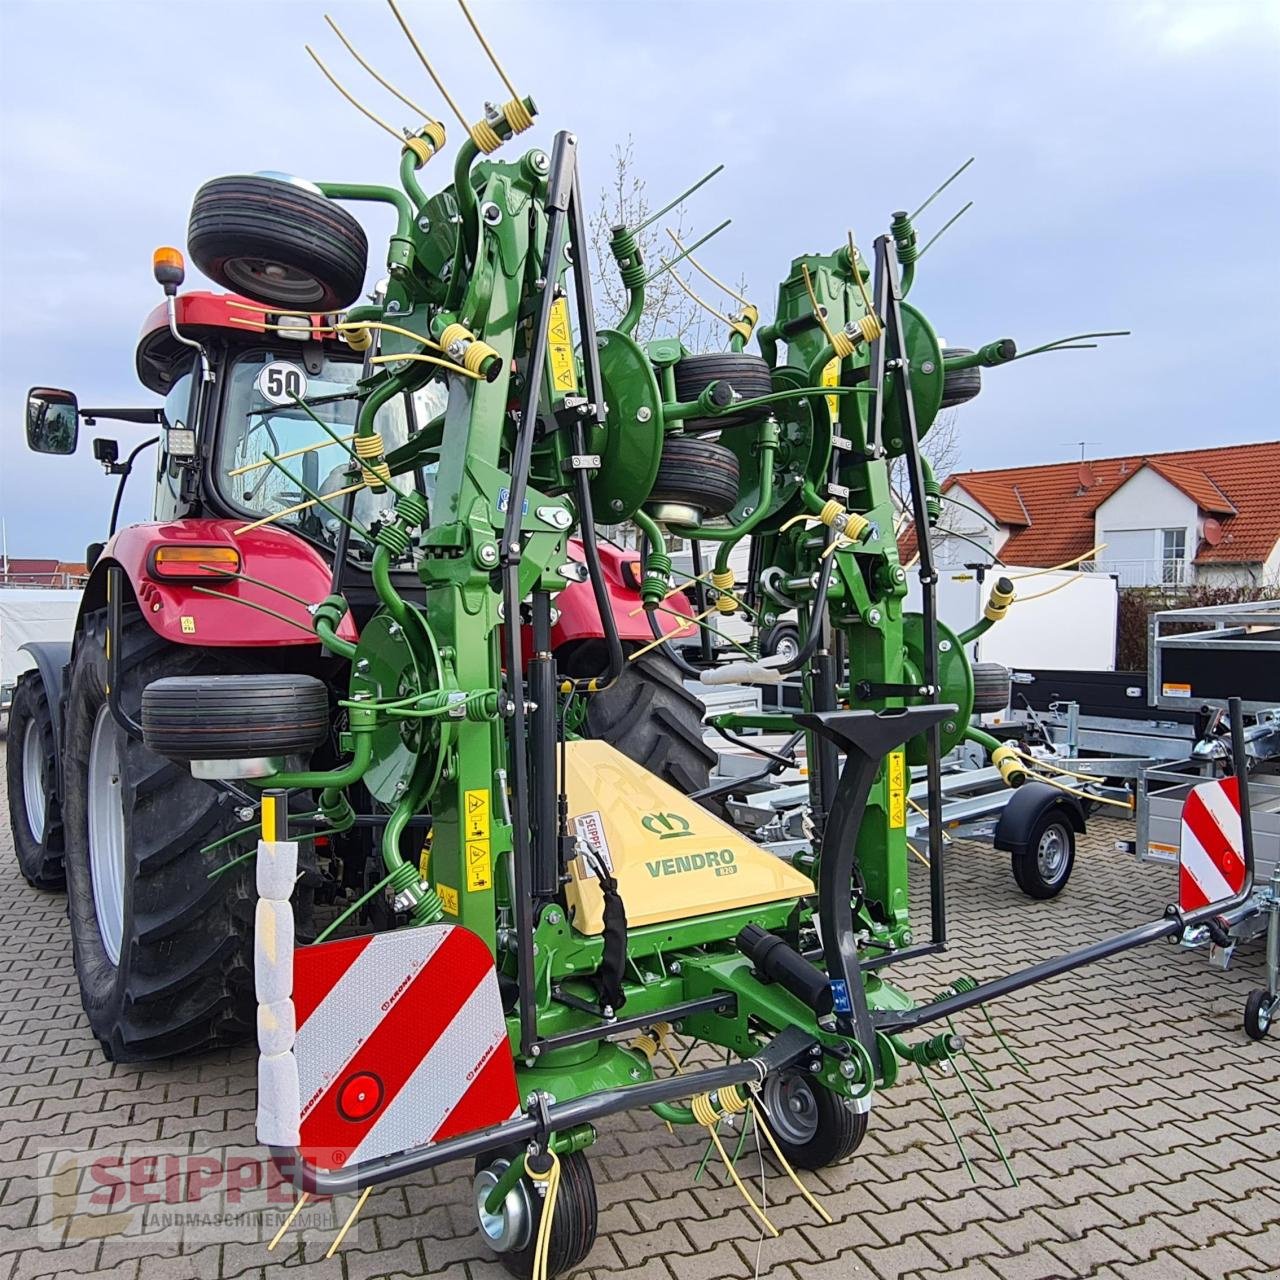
column 941, row 446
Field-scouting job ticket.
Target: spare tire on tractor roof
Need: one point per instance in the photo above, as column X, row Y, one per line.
column 278, row 241
column 748, row 375
column 960, row 385
column 696, row 473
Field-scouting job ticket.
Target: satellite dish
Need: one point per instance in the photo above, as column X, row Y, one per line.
column 1087, row 478
column 1212, row 532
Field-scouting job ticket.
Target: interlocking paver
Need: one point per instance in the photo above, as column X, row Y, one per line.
column 1145, row 1136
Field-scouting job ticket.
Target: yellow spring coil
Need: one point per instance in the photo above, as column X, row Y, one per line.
column 426, row 142
column 998, row 603
column 1005, row 758
column 723, row 580
column 843, row 345
column 357, row 339
column 646, row 1044
column 485, row 136
column 707, row 1112
column 870, row 327
column 757, row 1114
column 474, row 353
column 375, row 474
column 745, row 323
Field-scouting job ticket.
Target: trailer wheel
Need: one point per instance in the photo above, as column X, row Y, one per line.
column 782, row 640
column 1257, row 1014
column 512, row 1232
column 279, row 242
column 748, row 375
column 1044, row 869
column 814, row 1127
column 34, row 813
column 696, row 473
column 960, row 385
column 163, row 953
column 648, row 715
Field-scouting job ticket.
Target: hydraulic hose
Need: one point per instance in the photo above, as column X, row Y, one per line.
column 810, row 645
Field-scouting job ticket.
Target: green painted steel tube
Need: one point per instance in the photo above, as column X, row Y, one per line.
column 380, row 572
column 409, row 180
column 673, row 1112
column 332, row 779
column 576, row 1139
column 649, row 527
column 377, row 195
column 982, row 738
column 979, row 628
column 729, row 538
column 333, row 641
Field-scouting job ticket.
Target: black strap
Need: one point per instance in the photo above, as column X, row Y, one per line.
column 608, row 977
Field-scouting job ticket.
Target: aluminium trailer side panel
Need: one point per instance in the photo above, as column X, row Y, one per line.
column 28, row 615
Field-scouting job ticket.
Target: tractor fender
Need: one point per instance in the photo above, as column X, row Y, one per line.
column 579, row 618
column 1028, row 804
column 52, row 657
column 184, row 611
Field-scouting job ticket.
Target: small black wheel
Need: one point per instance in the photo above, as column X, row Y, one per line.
column 278, row 241
column 960, row 385
column 783, row 638
column 748, row 375
column 696, row 473
column 991, row 686
column 35, row 815
column 512, row 1232
column 1044, row 869
column 1257, row 1014
column 814, row 1127
column 235, row 717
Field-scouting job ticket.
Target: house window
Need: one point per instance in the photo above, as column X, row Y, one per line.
column 1173, row 554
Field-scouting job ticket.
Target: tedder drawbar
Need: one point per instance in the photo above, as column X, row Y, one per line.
column 570, row 909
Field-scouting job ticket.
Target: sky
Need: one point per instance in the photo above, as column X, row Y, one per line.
column 1127, row 176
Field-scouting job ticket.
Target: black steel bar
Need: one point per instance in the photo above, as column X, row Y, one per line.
column 785, row 1049
column 617, row 1026
column 542, row 759
column 700, row 601
column 905, row 953
column 1240, row 767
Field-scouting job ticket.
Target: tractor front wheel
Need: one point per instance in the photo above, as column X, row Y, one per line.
column 814, row 1127
column 163, row 949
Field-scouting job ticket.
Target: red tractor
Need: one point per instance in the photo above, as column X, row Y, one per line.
column 161, row 924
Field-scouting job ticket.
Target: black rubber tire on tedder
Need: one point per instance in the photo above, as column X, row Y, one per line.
column 814, row 1127
column 278, row 242
column 181, row 979
column 748, row 375
column 697, row 473
column 35, row 816
column 231, row 717
column 991, row 687
column 960, row 385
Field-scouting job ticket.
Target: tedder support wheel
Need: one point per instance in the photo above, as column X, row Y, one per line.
column 1258, row 1011
column 696, row 473
column 34, row 813
column 960, row 385
column 1044, row 869
column 748, row 375
column 163, row 952
column 649, row 716
column 512, row 1232
column 278, row 241
column 814, row 1127
column 991, row 687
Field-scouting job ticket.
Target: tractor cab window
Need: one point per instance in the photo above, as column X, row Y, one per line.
column 177, row 415
column 261, row 419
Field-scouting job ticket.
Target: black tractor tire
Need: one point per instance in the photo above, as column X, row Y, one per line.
column 35, row 816
column 814, row 1127
column 235, row 717
column 1043, row 870
column 182, row 978
column 992, row 687
column 782, row 637
column 648, row 715
column 960, row 385
column 697, row 473
column 748, row 375
column 573, row 1229
column 278, row 242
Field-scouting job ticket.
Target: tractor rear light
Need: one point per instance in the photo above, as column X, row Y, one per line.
column 298, row 328
column 193, row 562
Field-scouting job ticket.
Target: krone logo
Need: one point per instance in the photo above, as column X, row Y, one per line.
column 666, row 826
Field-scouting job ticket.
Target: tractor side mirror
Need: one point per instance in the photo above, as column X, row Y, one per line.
column 53, row 420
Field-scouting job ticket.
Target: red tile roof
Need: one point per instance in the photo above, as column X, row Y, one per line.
column 1050, row 509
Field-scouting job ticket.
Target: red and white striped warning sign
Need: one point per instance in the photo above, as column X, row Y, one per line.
column 401, row 1042
column 1212, row 852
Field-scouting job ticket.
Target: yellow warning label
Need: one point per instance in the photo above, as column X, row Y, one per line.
column 1171, row 690
column 448, row 899
column 831, row 378
column 478, row 877
column 475, row 816
column 188, row 624
column 564, row 377
column 897, row 789
column 424, row 859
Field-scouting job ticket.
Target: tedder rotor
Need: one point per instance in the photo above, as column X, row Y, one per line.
column 571, row 910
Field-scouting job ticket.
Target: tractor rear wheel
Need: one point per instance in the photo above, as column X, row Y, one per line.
column 163, row 952
column 648, row 715
column 34, row 813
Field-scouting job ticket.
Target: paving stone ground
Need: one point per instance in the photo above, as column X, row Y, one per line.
column 1146, row 1138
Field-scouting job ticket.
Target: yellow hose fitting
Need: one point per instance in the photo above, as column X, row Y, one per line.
column 998, row 601
column 357, row 339
column 1012, row 770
